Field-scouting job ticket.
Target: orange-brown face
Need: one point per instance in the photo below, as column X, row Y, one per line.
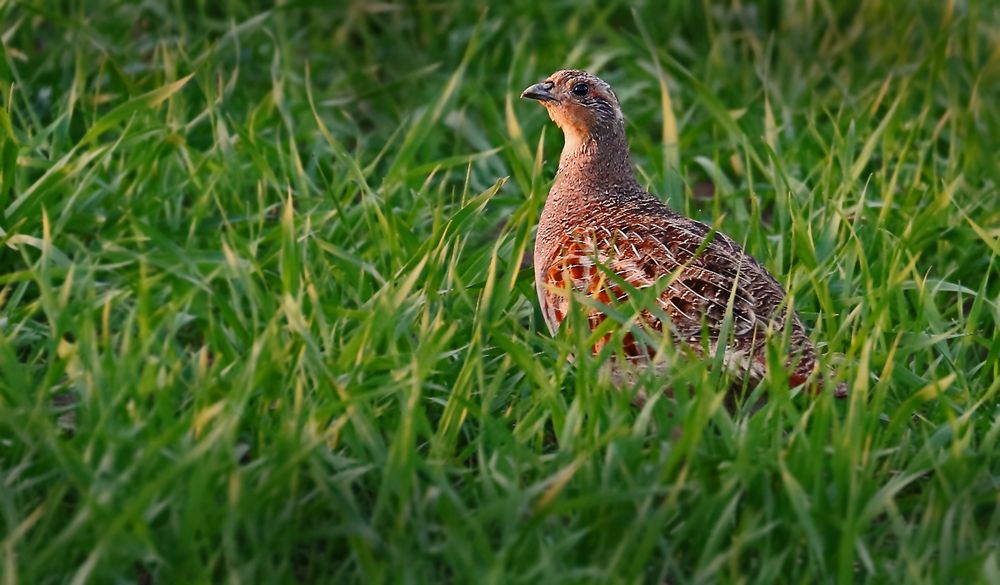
column 581, row 104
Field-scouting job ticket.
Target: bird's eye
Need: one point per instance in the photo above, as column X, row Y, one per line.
column 580, row 89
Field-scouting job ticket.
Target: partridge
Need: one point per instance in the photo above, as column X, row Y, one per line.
column 603, row 236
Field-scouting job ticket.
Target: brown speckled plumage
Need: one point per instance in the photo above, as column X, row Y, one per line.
column 602, row 235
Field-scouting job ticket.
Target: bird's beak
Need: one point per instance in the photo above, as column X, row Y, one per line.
column 540, row 91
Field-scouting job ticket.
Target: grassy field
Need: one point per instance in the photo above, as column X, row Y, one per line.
column 265, row 315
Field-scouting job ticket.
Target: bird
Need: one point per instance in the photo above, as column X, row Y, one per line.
column 603, row 236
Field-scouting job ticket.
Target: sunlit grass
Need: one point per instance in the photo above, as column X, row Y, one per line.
column 264, row 313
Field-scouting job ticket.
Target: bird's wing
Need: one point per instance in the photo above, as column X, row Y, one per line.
column 695, row 272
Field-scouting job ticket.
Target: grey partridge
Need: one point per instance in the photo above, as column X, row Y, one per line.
column 602, row 235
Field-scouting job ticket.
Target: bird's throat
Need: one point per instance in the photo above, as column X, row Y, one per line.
column 595, row 156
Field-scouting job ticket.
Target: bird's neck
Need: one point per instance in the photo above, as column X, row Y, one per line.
column 596, row 159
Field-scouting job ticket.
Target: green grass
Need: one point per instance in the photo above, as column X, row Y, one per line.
column 264, row 318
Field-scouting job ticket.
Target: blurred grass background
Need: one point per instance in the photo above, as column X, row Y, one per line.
column 264, row 313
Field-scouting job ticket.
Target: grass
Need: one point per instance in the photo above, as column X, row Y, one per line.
column 264, row 317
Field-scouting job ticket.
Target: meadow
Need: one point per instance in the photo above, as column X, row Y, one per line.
column 267, row 313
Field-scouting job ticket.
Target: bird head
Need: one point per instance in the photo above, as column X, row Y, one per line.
column 581, row 104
